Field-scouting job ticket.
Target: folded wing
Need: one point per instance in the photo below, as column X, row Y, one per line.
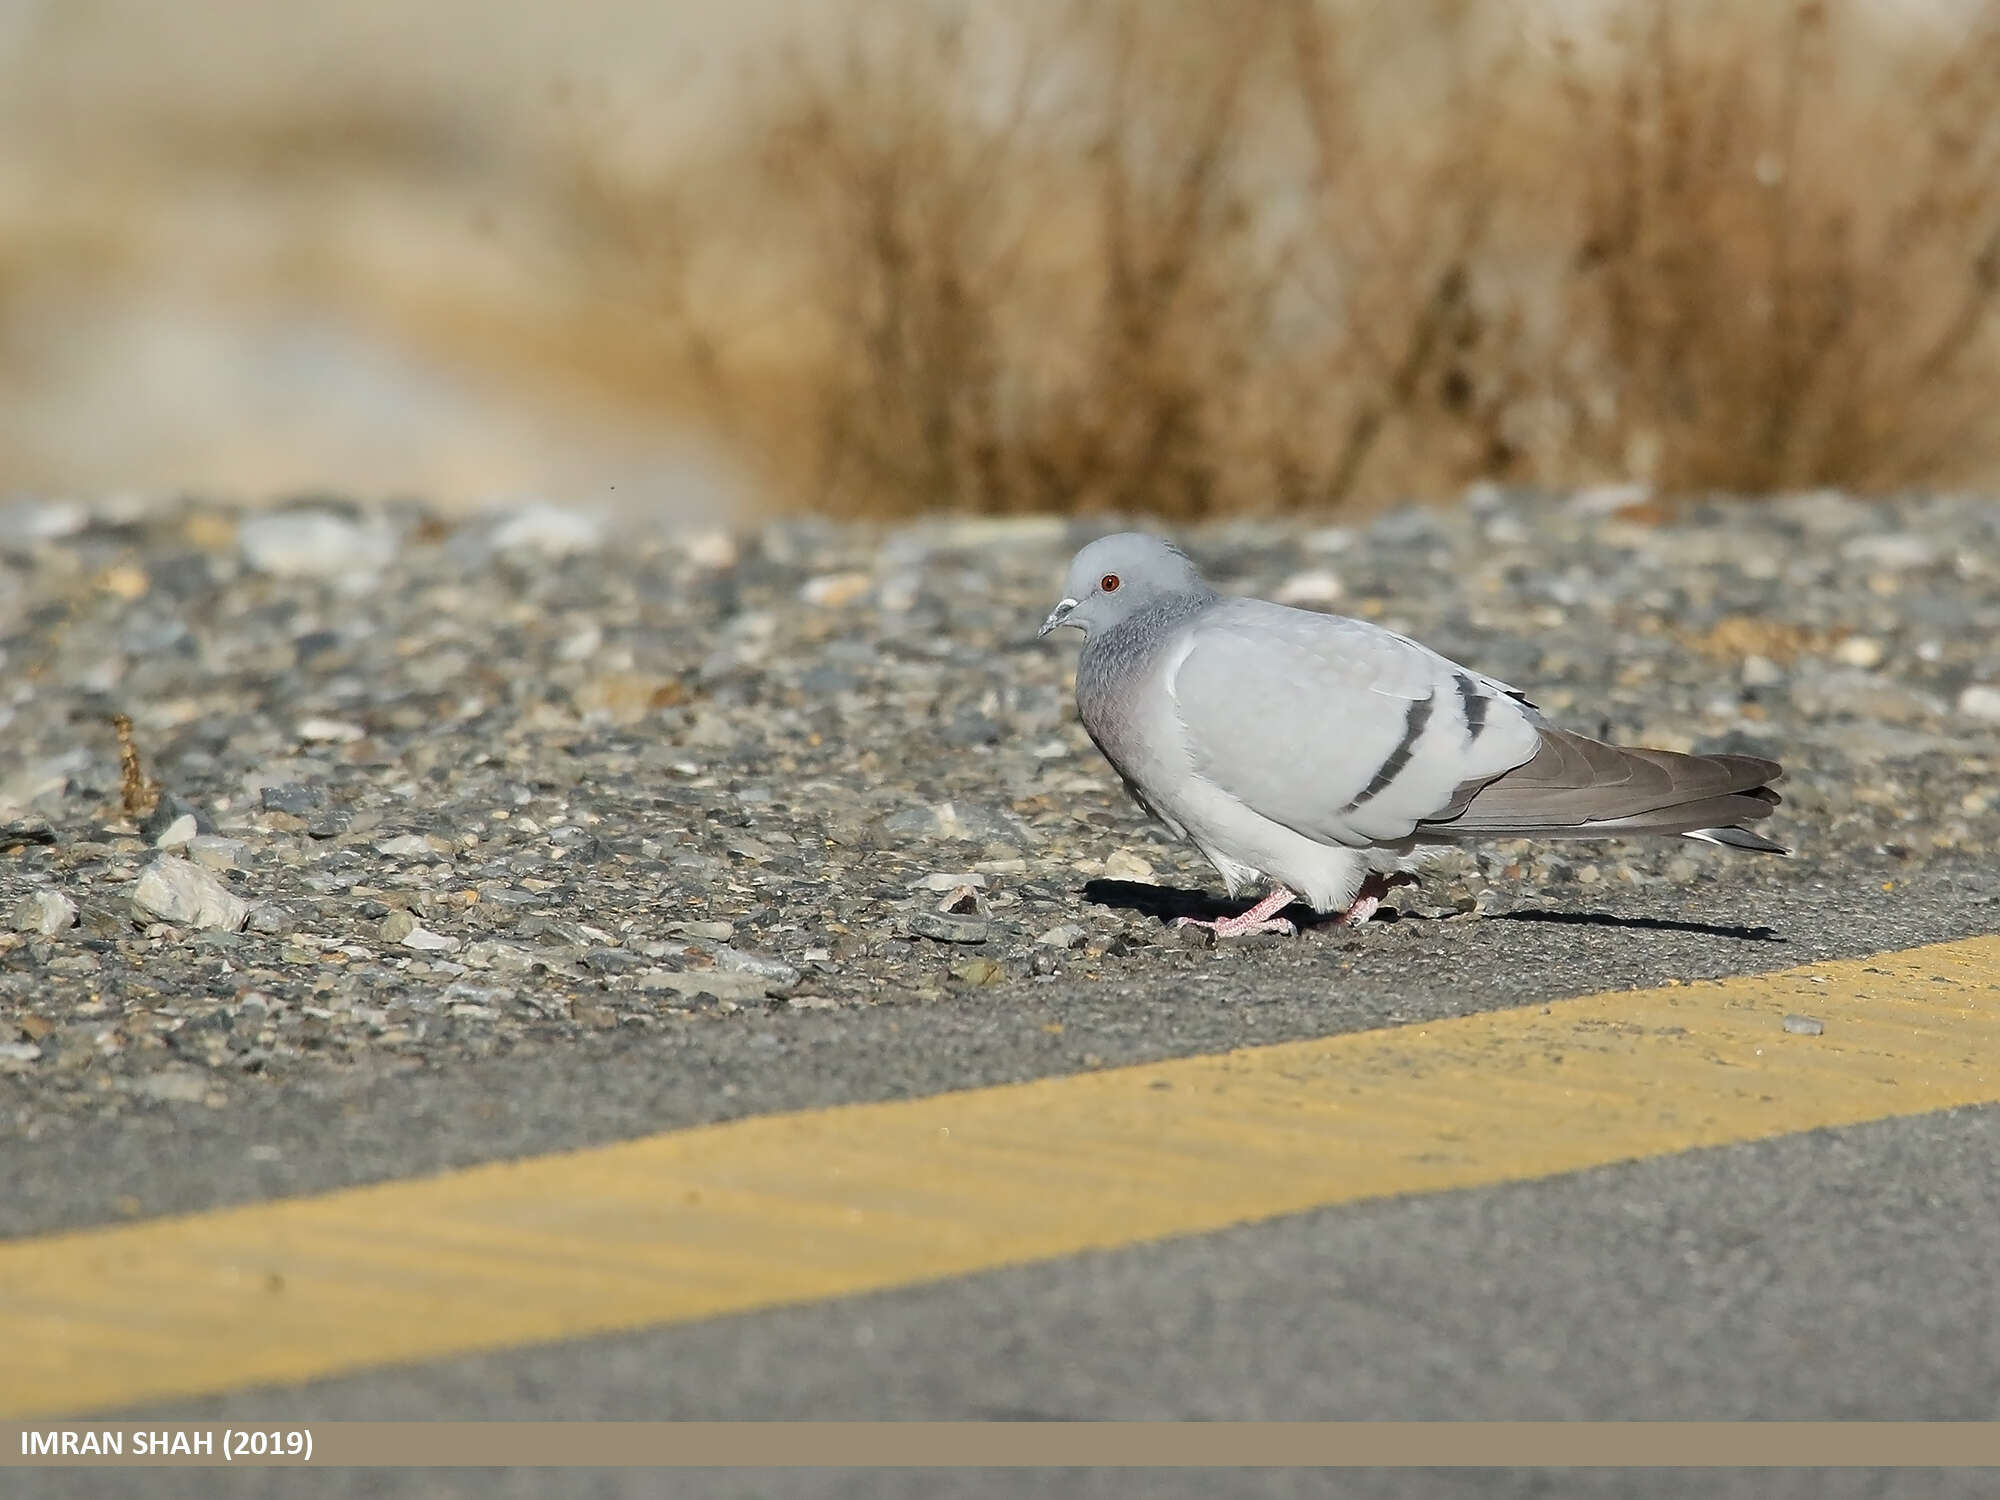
column 1351, row 734
column 1338, row 729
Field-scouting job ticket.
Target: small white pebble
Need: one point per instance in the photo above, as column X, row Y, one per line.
column 1123, row 864
column 1761, row 671
column 1329, row 539
column 1606, row 499
column 831, row 590
column 941, row 880
column 552, row 530
column 175, row 834
column 214, row 853
column 1980, row 701
column 329, row 732
column 1314, row 586
column 1804, row 1026
column 45, row 913
column 899, row 593
column 1859, row 651
column 715, row 549
column 582, row 645
column 1894, row 550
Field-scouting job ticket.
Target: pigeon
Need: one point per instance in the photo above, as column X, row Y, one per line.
column 1327, row 758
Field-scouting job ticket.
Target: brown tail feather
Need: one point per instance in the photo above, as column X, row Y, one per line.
column 1574, row 787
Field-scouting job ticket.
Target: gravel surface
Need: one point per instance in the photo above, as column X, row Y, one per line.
column 400, row 791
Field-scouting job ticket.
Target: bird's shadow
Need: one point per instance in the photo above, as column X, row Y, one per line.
column 1166, row 903
column 1641, row 924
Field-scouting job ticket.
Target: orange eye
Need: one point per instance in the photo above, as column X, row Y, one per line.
column 1109, row 583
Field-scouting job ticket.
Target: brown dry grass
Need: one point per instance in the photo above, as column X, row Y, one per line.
column 1187, row 256
column 1199, row 259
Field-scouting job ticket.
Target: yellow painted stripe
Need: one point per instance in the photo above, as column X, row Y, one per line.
column 790, row 1208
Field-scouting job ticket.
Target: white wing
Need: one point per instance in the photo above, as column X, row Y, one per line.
column 1338, row 729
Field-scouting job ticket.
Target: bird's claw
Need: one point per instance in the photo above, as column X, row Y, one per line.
column 1359, row 912
column 1224, row 927
column 1368, row 900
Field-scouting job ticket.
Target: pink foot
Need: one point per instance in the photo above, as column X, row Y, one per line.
column 1258, row 919
column 1363, row 908
column 1368, row 900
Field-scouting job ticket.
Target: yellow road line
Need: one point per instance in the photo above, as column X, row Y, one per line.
column 792, row 1208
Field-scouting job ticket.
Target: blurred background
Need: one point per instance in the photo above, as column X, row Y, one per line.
column 1188, row 258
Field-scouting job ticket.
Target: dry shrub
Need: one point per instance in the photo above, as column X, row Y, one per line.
column 945, row 278
column 1205, row 258
column 1789, row 254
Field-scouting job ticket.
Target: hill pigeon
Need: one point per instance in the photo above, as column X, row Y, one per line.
column 1330, row 756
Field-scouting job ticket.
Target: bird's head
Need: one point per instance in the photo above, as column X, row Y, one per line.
column 1117, row 576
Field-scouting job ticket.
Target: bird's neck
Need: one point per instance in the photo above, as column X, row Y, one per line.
column 1136, row 637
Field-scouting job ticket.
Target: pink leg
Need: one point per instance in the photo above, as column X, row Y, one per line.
column 1368, row 899
column 1259, row 918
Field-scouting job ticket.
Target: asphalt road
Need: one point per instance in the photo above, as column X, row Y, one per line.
column 1845, row 1273
column 331, row 1132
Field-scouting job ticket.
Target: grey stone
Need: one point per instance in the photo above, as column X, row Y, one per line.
column 329, row 823
column 171, row 815
column 42, row 520
column 1891, row 551
column 775, row 969
column 943, row 927
column 293, row 797
column 25, row 832
column 214, row 853
column 423, row 940
column 45, row 913
column 271, row 919
column 177, row 834
column 307, row 543
column 942, row 881
column 552, row 531
column 173, row 890
column 1980, row 701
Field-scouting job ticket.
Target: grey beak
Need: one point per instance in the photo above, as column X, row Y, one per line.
column 1057, row 617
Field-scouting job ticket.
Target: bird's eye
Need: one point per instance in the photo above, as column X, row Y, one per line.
column 1109, row 583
